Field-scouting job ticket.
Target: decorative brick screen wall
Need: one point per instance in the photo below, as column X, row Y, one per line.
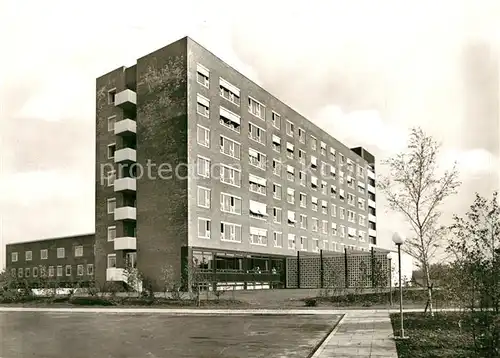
column 359, row 270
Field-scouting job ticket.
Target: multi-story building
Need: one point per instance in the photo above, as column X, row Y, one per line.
column 67, row 260
column 195, row 161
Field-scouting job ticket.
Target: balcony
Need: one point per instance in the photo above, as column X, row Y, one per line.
column 372, row 232
column 125, row 213
column 115, row 274
column 372, row 218
column 126, row 99
column 372, row 204
column 125, row 243
column 125, row 184
column 370, row 174
column 125, row 155
column 371, row 189
column 126, row 127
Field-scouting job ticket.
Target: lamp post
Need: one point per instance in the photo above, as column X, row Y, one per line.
column 399, row 240
column 389, row 260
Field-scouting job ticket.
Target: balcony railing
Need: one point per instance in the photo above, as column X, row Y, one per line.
column 126, row 99
column 125, row 184
column 125, row 213
column 125, row 155
column 125, row 127
column 125, row 243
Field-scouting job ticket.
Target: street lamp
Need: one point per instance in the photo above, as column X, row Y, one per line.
column 389, row 260
column 399, row 240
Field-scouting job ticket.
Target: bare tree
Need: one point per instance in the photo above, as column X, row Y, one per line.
column 415, row 188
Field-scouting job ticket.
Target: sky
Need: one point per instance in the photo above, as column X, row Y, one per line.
column 365, row 71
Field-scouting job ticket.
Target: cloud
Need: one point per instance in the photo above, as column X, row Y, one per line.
column 472, row 164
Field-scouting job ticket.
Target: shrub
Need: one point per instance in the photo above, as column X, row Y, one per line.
column 90, row 301
column 311, row 302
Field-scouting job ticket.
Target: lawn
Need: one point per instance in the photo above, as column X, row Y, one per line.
column 129, row 335
column 438, row 336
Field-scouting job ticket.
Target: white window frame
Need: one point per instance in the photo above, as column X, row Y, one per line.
column 292, row 128
column 230, row 196
column 44, row 254
column 199, row 99
column 28, row 255
column 111, row 229
column 231, row 153
column 66, row 270
column 207, row 161
column 107, row 152
column 79, row 270
column 262, row 139
column 77, row 250
column 302, row 138
column 262, row 109
column 90, row 269
column 111, row 119
column 51, row 271
column 226, row 224
column 207, row 136
column 280, row 191
column 111, row 94
column 275, row 115
column 209, row 199
column 209, row 230
column 110, row 256
column 61, row 253
column 206, row 82
column 224, row 166
column 14, row 255
column 234, row 91
column 280, row 216
column 60, row 271
column 108, row 201
column 276, row 242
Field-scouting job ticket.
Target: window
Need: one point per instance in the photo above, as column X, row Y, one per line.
column 257, row 159
column 324, row 207
column 276, row 143
column 303, row 200
column 341, row 159
column 204, row 228
column 277, row 239
column 290, row 173
column 333, row 191
column 350, row 181
column 59, row 271
column 44, row 254
column 230, row 203
column 303, row 221
column 314, row 162
column 256, row 108
column 289, row 150
column 362, row 236
column 302, row 136
column 325, row 244
column 111, row 150
column 314, row 183
column 111, row 233
column 27, row 272
column 28, row 255
column 13, row 272
column 230, row 232
column 203, row 75
column 20, row 272
column 291, row 218
column 110, row 177
column 277, row 167
column 204, row 197
column 302, row 178
column 314, row 203
column 229, row 91
column 351, row 233
column 324, row 188
column 351, row 216
column 229, row 175
column 334, row 229
column 332, row 154
column 315, row 224
column 68, row 270
column 333, row 210
column 342, row 195
column 203, row 167
column 111, row 204
column 111, row 96
column 289, row 128
column 276, row 120
column 303, row 243
column 230, row 147
column 258, row 236
column 258, row 210
column 256, row 133
column 314, row 143
column 291, row 241
column 361, row 203
column 315, row 247
column 351, row 199
column 342, row 213
column 111, row 260
column 342, row 231
column 51, row 271
column 361, row 187
column 361, row 220
column 90, row 269
column 229, row 119
column 290, row 195
column 323, row 148
column 111, row 123
column 277, row 191
column 302, row 157
column 78, row 251
column 61, row 253
column 203, row 136
column 277, row 215
column 14, row 257
column 202, row 105
column 350, row 165
column 324, row 169
column 79, row 270
column 324, row 226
